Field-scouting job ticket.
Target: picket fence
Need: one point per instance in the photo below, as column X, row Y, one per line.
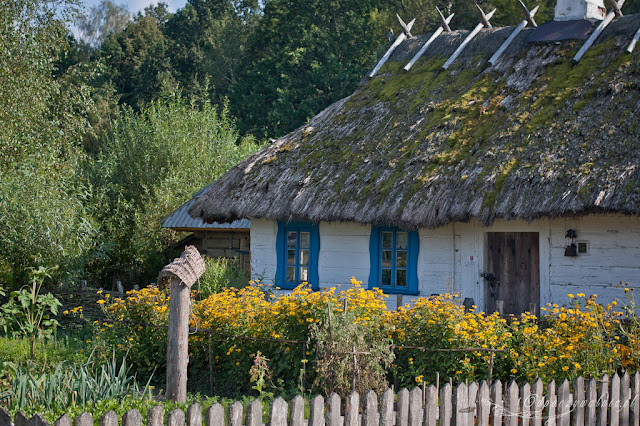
column 605, row 402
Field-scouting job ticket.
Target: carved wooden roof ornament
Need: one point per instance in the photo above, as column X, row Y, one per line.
column 634, row 41
column 444, row 26
column 528, row 19
column 484, row 23
column 406, row 32
column 614, row 12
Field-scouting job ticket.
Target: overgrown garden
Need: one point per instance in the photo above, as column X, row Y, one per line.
column 307, row 339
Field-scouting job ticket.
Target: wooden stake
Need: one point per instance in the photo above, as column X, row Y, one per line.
column 402, row 37
column 528, row 20
column 355, row 366
column 483, row 24
column 330, row 325
column 594, row 35
column 210, row 366
column 490, row 368
column 444, row 26
column 178, row 341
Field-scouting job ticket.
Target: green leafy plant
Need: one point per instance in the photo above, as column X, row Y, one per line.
column 259, row 374
column 221, row 273
column 337, row 341
column 27, row 312
column 72, row 385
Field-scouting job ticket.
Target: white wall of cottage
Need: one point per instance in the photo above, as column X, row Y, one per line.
column 452, row 258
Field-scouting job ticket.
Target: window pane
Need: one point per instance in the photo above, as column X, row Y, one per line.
column 305, row 239
column 304, row 257
column 292, row 236
column 401, row 259
column 387, row 240
column 291, row 257
column 304, row 273
column 386, row 258
column 401, row 278
column 402, row 240
column 291, row 274
column 386, row 277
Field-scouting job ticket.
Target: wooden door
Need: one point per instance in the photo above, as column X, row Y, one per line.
column 514, row 259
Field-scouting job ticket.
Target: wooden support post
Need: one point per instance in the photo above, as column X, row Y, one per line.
column 183, row 272
column 483, row 24
column 178, row 342
column 528, row 20
column 444, row 26
column 594, row 35
column 402, row 37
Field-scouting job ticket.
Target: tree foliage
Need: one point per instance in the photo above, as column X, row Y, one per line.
column 151, row 162
column 43, row 220
column 101, row 20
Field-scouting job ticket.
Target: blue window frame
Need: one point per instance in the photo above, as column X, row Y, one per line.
column 394, row 260
column 297, row 246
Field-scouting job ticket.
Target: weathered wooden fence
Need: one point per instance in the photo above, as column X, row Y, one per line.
column 605, row 402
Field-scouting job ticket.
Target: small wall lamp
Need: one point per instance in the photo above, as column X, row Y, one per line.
column 571, row 249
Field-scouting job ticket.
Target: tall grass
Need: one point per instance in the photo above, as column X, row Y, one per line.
column 221, row 273
column 69, row 386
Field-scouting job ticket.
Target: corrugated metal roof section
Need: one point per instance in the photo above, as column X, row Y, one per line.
column 180, row 219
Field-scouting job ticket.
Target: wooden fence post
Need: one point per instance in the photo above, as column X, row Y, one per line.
column 431, row 407
column 110, row 418
column 155, row 416
column 333, row 410
column 603, row 401
column 214, row 416
column 386, row 408
column 352, row 409
column 402, row 416
column 415, row 407
column 296, row 411
column 278, row 413
column 183, row 271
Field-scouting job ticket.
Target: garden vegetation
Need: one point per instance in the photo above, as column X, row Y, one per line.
column 293, row 332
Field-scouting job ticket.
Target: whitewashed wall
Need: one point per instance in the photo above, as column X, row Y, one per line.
column 264, row 260
column 452, row 258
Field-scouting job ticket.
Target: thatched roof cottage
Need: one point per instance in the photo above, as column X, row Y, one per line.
column 514, row 183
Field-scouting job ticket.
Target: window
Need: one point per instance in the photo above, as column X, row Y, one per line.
column 394, row 259
column 298, row 245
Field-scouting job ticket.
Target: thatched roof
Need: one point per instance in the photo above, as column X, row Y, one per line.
column 535, row 135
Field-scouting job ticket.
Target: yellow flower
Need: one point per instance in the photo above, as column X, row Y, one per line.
column 571, row 296
column 565, row 368
column 514, row 371
column 100, row 302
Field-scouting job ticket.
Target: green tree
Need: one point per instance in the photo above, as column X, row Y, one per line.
column 152, row 161
column 302, row 56
column 136, row 60
column 208, row 44
column 43, row 221
column 101, row 20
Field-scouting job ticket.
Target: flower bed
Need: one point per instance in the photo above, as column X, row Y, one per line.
column 582, row 338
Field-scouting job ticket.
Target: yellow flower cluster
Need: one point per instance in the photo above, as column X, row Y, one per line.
column 583, row 338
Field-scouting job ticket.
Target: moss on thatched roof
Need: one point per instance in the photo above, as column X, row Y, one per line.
column 534, row 135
